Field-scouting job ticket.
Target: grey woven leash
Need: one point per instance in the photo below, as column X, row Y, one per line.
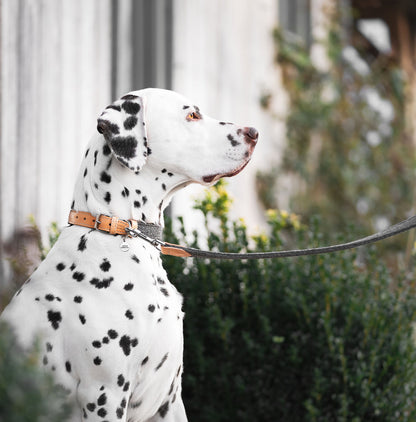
column 183, row 251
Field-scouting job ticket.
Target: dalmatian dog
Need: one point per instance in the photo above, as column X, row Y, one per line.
column 107, row 320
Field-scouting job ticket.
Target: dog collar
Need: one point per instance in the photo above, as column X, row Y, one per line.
column 113, row 225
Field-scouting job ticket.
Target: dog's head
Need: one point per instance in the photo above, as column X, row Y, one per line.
column 162, row 129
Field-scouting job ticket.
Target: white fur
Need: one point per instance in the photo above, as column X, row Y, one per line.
column 109, row 323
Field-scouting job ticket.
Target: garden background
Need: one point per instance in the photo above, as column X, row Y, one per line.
column 330, row 85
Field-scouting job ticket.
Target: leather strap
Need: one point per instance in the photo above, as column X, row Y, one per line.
column 112, row 225
column 394, row 230
column 152, row 234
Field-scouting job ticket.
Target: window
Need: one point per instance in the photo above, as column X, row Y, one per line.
column 142, row 44
column 295, row 19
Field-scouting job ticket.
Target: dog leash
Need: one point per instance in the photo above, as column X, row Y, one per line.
column 182, row 251
column 152, row 233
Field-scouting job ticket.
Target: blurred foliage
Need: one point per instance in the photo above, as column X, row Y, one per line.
column 347, row 144
column 318, row 338
column 27, row 394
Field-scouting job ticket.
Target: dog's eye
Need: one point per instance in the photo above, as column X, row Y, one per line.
column 193, row 116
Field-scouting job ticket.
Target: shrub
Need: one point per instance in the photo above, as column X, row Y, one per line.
column 27, row 394
column 319, row 338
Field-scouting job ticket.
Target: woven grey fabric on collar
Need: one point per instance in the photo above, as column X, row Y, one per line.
column 151, row 230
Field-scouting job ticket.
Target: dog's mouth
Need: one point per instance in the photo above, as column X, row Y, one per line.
column 215, row 177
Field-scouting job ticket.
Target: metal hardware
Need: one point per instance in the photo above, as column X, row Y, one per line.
column 137, row 233
column 97, row 222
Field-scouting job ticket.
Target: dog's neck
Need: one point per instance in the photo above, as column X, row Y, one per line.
column 104, row 186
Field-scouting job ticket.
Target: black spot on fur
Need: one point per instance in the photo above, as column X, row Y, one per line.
column 90, row 407
column 106, row 150
column 137, row 204
column 96, row 344
column 135, row 259
column 126, row 343
column 233, row 141
column 144, row 361
column 129, row 314
column 151, row 308
column 77, row 299
column 126, row 387
column 49, row 297
column 105, row 265
column 163, row 186
column 97, row 360
column 82, row 243
column 72, row 267
column 119, row 413
column 49, row 347
column 120, row 380
column 68, row 366
column 161, row 362
column 85, row 172
column 129, row 97
column 82, row 319
column 144, row 199
column 130, row 107
column 95, row 157
column 128, row 286
column 164, row 291
column 171, row 387
column 78, row 276
column 125, row 193
column 102, row 412
column 112, row 334
column 105, row 177
column 160, row 280
column 185, row 107
column 102, row 284
column 55, row 318
column 102, row 400
column 163, row 410
column 124, row 147
column 130, row 123
column 114, row 107
column 107, row 197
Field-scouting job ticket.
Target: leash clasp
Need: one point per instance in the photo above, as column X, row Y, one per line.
column 137, row 233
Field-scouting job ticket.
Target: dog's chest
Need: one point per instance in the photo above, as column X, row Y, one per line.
column 112, row 299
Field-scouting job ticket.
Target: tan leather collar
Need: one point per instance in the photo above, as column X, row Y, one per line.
column 116, row 226
column 112, row 225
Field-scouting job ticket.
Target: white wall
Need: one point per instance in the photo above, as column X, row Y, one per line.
column 224, row 60
column 55, row 79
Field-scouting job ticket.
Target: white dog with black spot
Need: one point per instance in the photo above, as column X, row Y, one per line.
column 108, row 321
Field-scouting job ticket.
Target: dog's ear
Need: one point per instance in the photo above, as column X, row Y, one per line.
column 122, row 125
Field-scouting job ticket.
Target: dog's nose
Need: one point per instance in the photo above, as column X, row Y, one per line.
column 251, row 135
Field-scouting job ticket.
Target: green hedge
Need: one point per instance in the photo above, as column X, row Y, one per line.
column 321, row 338
column 324, row 338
